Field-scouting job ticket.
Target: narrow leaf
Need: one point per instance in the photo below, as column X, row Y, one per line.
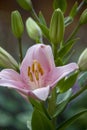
column 71, row 120
column 66, row 48
column 68, row 82
column 45, row 30
column 42, row 19
column 39, row 106
column 40, row 121
column 62, row 4
column 73, row 11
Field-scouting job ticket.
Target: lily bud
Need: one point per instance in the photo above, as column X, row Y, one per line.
column 83, row 18
column 6, row 60
column 17, row 24
column 33, row 29
column 25, row 4
column 82, row 62
column 56, row 31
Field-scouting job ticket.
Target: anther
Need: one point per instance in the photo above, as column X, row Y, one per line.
column 37, row 75
column 40, row 69
column 30, row 74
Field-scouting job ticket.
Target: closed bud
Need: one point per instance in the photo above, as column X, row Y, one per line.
column 83, row 18
column 56, row 31
column 33, row 30
column 17, row 24
column 25, row 4
column 6, row 60
column 82, row 62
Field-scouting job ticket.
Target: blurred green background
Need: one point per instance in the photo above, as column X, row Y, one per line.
column 14, row 110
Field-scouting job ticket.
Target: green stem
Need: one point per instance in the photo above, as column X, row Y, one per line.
column 54, row 48
column 20, row 49
column 74, row 32
column 78, row 93
column 33, row 13
column 52, row 105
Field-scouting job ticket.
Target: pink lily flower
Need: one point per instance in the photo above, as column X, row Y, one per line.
column 38, row 73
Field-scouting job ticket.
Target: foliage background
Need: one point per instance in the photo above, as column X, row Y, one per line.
column 14, row 110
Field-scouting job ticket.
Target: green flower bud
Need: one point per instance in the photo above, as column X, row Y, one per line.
column 82, row 62
column 83, row 18
column 17, row 24
column 25, row 4
column 6, row 60
column 33, row 29
column 56, row 31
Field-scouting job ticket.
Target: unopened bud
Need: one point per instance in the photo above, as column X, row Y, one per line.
column 25, row 4
column 6, row 60
column 83, row 18
column 33, row 29
column 82, row 62
column 17, row 24
column 56, row 31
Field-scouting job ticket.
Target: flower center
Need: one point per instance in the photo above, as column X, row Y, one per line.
column 35, row 71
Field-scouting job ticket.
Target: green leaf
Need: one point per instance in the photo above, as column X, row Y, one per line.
column 58, row 62
column 82, row 79
column 71, row 120
column 40, row 121
column 66, row 48
column 67, row 21
column 64, row 96
column 42, row 19
column 39, row 106
column 73, row 11
column 67, row 82
column 62, row 101
column 62, row 4
column 45, row 30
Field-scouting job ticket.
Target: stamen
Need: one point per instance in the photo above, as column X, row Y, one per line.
column 30, row 74
column 28, row 70
column 40, row 69
column 37, row 75
column 33, row 67
column 35, row 71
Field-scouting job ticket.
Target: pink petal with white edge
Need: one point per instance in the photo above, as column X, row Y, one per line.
column 41, row 93
column 60, row 72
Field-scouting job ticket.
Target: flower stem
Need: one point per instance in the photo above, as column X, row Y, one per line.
column 33, row 13
column 74, row 32
column 52, row 105
column 78, row 93
column 20, row 49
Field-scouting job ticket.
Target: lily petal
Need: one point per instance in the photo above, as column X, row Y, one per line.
column 60, row 72
column 11, row 78
column 41, row 93
column 43, row 54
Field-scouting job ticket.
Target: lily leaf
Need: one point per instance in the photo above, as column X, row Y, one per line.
column 40, row 121
column 45, row 30
column 62, row 101
column 82, row 79
column 66, row 48
column 67, row 82
column 71, row 120
column 62, row 4
column 39, row 106
column 42, row 19
column 73, row 11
